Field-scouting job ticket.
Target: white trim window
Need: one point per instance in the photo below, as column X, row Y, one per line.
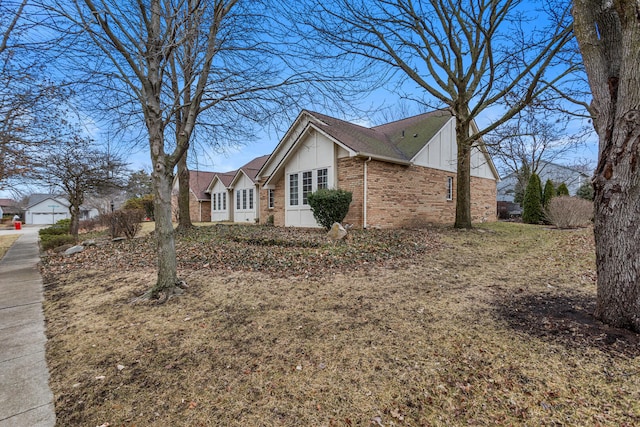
column 219, row 201
column 293, row 189
column 272, row 198
column 244, row 199
column 213, row 201
column 449, row 188
column 307, row 181
column 322, row 179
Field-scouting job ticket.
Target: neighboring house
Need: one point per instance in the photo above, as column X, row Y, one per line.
column 199, row 199
column 9, row 207
column 236, row 199
column 546, row 170
column 401, row 174
column 48, row 209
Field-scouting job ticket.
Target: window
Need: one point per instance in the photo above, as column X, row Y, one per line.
column 293, row 189
column 224, row 201
column 244, row 199
column 322, row 178
column 219, row 201
column 307, row 186
column 213, row 201
column 238, row 200
column 251, row 198
column 272, row 198
column 449, row 188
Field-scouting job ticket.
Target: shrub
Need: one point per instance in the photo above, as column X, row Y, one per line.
column 569, row 212
column 329, row 206
column 144, row 203
column 125, row 223
column 61, row 227
column 532, row 212
column 548, row 193
column 52, row 241
column 562, row 190
column 585, row 191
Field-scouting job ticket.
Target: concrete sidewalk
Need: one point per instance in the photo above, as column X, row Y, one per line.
column 25, row 397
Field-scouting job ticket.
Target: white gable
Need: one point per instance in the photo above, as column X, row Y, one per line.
column 441, row 152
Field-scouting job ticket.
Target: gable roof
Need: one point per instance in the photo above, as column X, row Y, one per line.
column 400, row 140
column 250, row 169
column 8, row 202
column 199, row 182
column 35, row 199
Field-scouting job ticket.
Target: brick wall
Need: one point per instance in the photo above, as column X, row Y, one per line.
column 398, row 196
column 194, row 208
column 409, row 196
column 278, row 208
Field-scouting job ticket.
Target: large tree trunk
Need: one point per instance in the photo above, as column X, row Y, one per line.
column 609, row 37
column 184, row 213
column 162, row 178
column 463, row 181
column 74, row 227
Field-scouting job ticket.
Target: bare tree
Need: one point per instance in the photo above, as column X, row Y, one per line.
column 466, row 55
column 609, row 35
column 172, row 63
column 78, row 171
column 26, row 96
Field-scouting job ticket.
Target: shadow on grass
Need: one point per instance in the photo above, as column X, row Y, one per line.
column 566, row 320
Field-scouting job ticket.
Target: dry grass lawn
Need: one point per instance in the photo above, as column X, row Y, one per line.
column 418, row 328
column 5, row 243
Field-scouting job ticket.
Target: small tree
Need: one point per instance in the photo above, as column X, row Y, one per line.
column 532, row 212
column 329, row 206
column 562, row 190
column 548, row 193
column 585, row 191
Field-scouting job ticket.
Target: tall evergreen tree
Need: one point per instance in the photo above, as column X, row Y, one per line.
column 532, row 212
column 548, row 193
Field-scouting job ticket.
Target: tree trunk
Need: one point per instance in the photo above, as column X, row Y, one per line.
column 463, row 181
column 165, row 239
column 74, row 227
column 184, row 213
column 608, row 34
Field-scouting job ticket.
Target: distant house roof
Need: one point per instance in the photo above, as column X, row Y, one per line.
column 34, row 199
column 250, row 169
column 199, row 182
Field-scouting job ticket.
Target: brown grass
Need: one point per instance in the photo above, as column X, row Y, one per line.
column 6, row 242
column 483, row 327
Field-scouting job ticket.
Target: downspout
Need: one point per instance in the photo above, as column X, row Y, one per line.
column 365, row 187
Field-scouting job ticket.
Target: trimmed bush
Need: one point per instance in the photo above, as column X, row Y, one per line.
column 52, row 241
column 562, row 190
column 61, row 227
column 144, row 203
column 329, row 206
column 569, row 212
column 548, row 193
column 532, row 212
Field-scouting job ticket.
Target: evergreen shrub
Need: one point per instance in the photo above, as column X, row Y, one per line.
column 329, row 206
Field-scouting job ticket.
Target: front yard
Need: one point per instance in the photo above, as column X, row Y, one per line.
column 281, row 328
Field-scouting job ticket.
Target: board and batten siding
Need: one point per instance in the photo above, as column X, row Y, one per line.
column 315, row 152
column 221, row 211
column 442, row 152
column 247, row 210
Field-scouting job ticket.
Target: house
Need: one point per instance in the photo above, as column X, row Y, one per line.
column 234, row 195
column 558, row 174
column 199, row 199
column 48, row 209
column 221, row 206
column 9, row 208
column 401, row 174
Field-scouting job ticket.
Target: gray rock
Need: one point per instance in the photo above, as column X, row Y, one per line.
column 74, row 250
column 88, row 243
column 337, row 232
column 118, row 239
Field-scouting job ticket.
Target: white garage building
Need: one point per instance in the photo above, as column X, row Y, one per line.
column 46, row 209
